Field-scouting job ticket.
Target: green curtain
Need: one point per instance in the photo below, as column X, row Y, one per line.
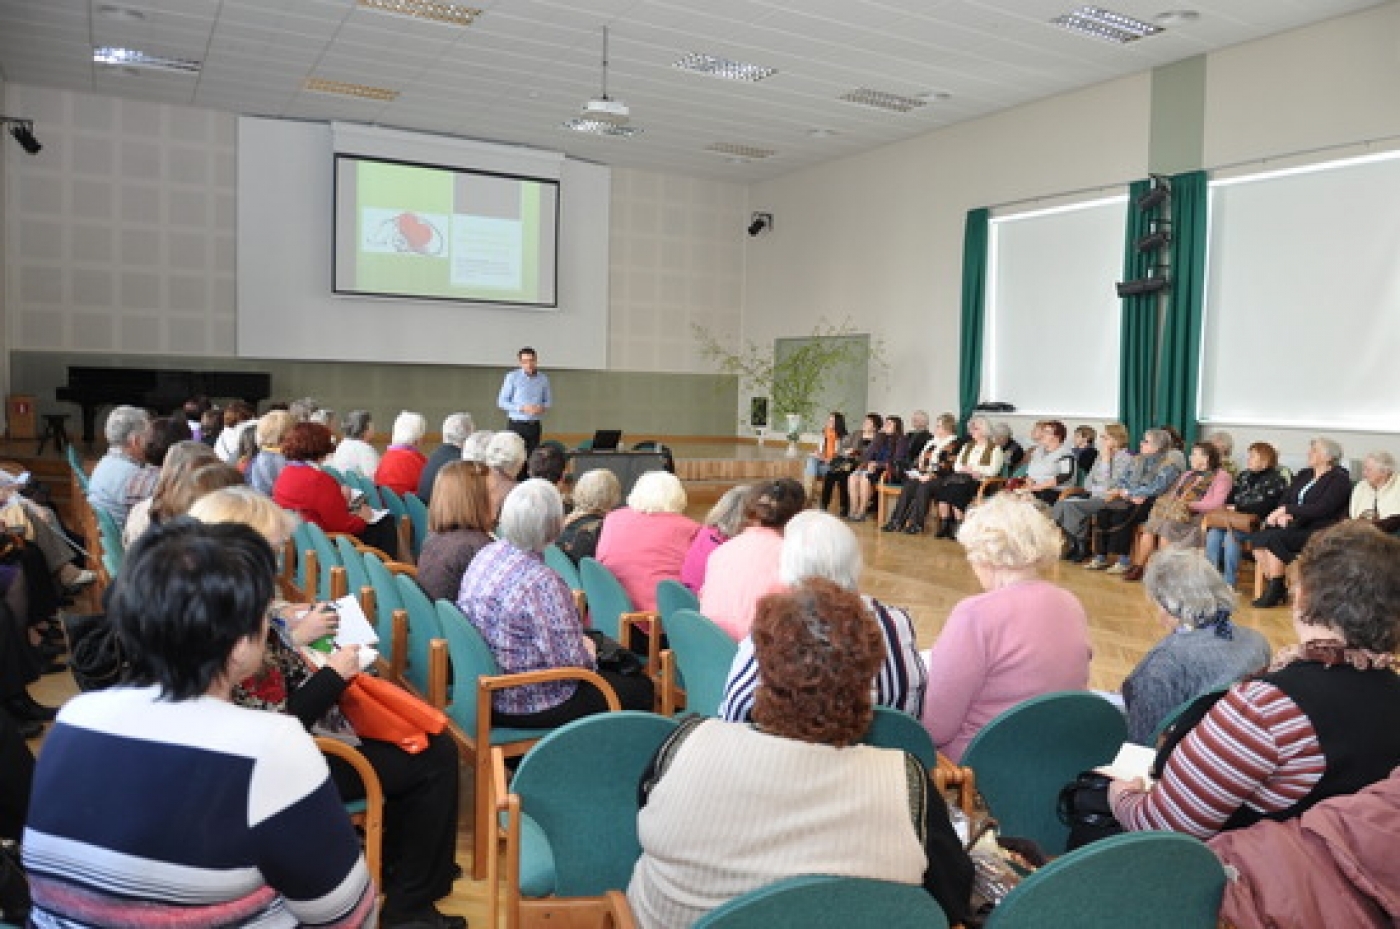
column 1179, row 376
column 974, row 312
column 1137, row 376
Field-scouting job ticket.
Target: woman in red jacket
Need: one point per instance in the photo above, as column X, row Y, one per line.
column 318, row 498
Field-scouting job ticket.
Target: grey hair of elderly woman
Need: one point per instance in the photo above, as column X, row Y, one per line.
column 1383, row 460
column 657, row 492
column 1010, row 532
column 597, row 491
column 506, row 452
column 1328, row 447
column 727, row 515
column 1185, row 585
column 456, row 427
column 355, row 424
column 409, row 428
column 1159, row 439
column 474, row 448
column 817, row 544
column 988, row 429
column 1001, row 432
column 1223, row 441
column 532, row 515
column 123, row 423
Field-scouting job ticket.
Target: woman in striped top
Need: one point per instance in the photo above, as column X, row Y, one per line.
column 1323, row 722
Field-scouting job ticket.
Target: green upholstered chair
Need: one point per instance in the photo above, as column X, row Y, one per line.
column 813, row 900
column 699, row 653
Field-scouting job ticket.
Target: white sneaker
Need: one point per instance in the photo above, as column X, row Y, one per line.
column 1119, row 568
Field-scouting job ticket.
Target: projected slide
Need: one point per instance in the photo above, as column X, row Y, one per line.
column 409, row 230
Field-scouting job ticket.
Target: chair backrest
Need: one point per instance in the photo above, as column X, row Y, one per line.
column 672, row 595
column 823, row 900
column 1024, row 756
column 334, row 472
column 703, row 652
column 76, row 463
column 471, row 658
column 327, row 557
column 891, row 728
column 386, row 601
column 113, row 548
column 607, row 600
column 418, row 514
column 423, row 627
column 579, row 785
column 366, row 486
column 392, row 502
column 1148, row 880
column 355, row 575
column 303, row 543
column 563, row 565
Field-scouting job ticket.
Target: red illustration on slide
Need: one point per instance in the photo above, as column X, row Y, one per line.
column 409, row 232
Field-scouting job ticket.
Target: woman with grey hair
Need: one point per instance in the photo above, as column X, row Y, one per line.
column 125, row 431
column 505, row 453
column 526, row 614
column 1376, row 496
column 596, row 494
column 1020, row 638
column 403, row 463
column 474, row 447
column 1129, row 502
column 1316, row 499
column 353, row 452
column 725, row 520
column 1203, row 649
column 456, row 427
column 817, row 544
column 644, row 542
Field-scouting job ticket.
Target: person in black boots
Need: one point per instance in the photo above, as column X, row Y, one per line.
column 20, row 665
column 934, row 463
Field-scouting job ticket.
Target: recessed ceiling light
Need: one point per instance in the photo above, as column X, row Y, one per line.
column 451, row 13
column 131, row 58
column 725, row 68
column 345, row 89
column 1176, row 17
column 821, row 133
column 883, row 100
column 934, row 96
column 734, row 149
column 121, row 13
column 599, row 127
column 1098, row 23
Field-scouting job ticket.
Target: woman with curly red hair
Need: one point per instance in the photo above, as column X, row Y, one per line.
column 729, row 808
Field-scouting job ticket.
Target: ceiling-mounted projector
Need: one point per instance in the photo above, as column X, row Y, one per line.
column 607, row 110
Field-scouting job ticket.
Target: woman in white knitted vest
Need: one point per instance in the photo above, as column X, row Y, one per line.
column 729, row 807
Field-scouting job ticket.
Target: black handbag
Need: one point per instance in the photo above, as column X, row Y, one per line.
column 96, row 658
column 1084, row 807
column 612, row 656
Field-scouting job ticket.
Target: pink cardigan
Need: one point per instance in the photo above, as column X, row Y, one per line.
column 740, row 572
column 999, row 649
column 643, row 549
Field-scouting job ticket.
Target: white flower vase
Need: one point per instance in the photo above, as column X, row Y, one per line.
column 794, row 429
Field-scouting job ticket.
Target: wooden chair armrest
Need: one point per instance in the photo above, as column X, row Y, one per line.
column 669, row 690
column 488, row 683
column 650, row 624
column 398, row 659
column 438, row 673
column 405, row 527
column 340, row 582
column 361, row 547
column 312, row 588
column 581, row 605
column 374, row 798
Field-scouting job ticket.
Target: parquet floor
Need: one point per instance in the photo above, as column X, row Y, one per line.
column 927, row 577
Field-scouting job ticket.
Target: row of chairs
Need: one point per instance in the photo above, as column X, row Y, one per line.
column 409, row 512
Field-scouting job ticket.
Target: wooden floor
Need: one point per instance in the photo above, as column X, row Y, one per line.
column 926, row 577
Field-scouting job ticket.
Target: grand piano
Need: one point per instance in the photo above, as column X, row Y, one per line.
column 159, row 389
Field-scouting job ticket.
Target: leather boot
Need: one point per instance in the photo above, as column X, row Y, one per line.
column 945, row 528
column 1274, row 595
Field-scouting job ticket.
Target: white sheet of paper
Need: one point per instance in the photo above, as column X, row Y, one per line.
column 1132, row 761
column 355, row 627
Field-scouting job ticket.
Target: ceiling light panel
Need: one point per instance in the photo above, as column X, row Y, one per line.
column 725, row 68
column 599, row 127
column 345, row 89
column 1107, row 25
column 453, row 14
column 131, row 58
column 882, row 100
column 740, row 151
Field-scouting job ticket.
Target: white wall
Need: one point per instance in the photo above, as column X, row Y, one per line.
column 120, row 239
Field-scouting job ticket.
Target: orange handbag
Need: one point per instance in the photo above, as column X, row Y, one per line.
column 388, row 713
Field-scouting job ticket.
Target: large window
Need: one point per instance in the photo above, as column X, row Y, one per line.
column 1303, row 298
column 1051, row 345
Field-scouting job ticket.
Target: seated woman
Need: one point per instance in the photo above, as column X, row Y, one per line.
column 819, row 462
column 980, row 458
column 1224, row 443
column 646, row 541
column 40, row 527
column 402, row 462
column 849, row 451
column 1051, row 465
column 875, row 463
column 1323, row 722
column 163, row 434
column 745, row 568
column 316, row 497
column 183, row 457
column 1257, row 492
column 1085, row 450
column 1175, row 519
column 1128, row 503
column 353, row 452
column 420, row 790
column 1022, row 638
column 818, row 545
column 267, row 463
column 935, row 462
column 830, row 805
column 232, row 809
column 1203, row 650
column 1376, row 497
column 526, row 614
column 1316, row 499
column 724, row 521
column 504, row 455
column 459, row 525
column 596, row 494
column 1072, row 514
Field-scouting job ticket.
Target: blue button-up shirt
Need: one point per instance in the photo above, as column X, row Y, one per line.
column 519, row 390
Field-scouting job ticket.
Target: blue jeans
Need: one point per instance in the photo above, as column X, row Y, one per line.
column 816, row 467
column 1224, row 544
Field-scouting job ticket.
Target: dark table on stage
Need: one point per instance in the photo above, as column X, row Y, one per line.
column 628, row 466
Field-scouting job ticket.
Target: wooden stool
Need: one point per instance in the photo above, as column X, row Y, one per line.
column 54, row 428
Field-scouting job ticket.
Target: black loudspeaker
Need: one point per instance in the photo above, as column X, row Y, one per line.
column 758, row 411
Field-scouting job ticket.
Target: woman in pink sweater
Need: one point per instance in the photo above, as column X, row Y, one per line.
column 746, row 567
column 1022, row 638
column 645, row 542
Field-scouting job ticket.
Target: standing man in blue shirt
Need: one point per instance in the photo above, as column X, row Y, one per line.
column 525, row 398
